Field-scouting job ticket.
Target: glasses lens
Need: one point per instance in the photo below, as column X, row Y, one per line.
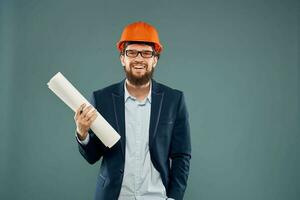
column 147, row 54
column 132, row 53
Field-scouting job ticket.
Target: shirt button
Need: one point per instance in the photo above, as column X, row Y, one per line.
column 121, row 171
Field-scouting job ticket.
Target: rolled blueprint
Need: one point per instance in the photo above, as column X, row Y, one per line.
column 70, row 95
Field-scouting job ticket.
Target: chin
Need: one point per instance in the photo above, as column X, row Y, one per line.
column 139, row 75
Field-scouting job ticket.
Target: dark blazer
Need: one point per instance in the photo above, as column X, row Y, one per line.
column 169, row 140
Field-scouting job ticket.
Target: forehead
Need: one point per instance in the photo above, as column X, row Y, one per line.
column 139, row 47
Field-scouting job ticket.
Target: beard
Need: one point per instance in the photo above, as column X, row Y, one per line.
column 138, row 80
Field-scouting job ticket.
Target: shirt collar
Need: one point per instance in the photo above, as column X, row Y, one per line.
column 127, row 95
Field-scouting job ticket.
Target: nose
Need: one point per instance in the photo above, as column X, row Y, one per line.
column 139, row 56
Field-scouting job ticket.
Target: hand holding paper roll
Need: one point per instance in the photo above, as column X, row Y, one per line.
column 84, row 117
column 68, row 94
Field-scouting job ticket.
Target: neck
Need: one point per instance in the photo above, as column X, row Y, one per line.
column 140, row 92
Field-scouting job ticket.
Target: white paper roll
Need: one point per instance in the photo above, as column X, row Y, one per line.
column 70, row 95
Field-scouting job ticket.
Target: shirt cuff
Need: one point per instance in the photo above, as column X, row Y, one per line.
column 85, row 141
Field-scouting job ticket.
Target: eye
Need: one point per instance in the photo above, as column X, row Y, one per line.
column 147, row 54
column 131, row 53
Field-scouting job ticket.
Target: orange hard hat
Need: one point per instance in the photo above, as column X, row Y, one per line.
column 140, row 32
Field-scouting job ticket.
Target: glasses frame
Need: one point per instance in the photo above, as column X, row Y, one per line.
column 139, row 52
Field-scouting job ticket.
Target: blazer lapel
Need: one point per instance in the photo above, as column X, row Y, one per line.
column 119, row 112
column 156, row 104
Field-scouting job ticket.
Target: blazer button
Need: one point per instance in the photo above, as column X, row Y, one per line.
column 121, row 171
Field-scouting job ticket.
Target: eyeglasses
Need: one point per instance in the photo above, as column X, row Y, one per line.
column 135, row 53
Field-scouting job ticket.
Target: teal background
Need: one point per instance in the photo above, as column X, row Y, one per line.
column 236, row 61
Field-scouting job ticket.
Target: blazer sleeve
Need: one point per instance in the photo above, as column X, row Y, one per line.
column 94, row 149
column 180, row 152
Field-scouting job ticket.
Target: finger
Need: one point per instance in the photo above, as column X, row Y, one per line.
column 82, row 107
column 87, row 118
column 86, row 110
column 90, row 113
column 92, row 119
column 79, row 110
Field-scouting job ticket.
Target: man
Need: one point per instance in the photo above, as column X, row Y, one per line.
column 151, row 160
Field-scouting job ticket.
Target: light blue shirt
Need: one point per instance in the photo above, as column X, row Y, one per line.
column 141, row 180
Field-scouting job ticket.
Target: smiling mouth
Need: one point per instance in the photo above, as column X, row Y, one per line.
column 138, row 67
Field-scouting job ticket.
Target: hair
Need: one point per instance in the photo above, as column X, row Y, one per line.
column 138, row 42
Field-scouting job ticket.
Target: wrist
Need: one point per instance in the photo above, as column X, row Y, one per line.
column 81, row 136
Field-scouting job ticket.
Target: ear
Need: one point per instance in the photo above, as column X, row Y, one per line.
column 122, row 59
